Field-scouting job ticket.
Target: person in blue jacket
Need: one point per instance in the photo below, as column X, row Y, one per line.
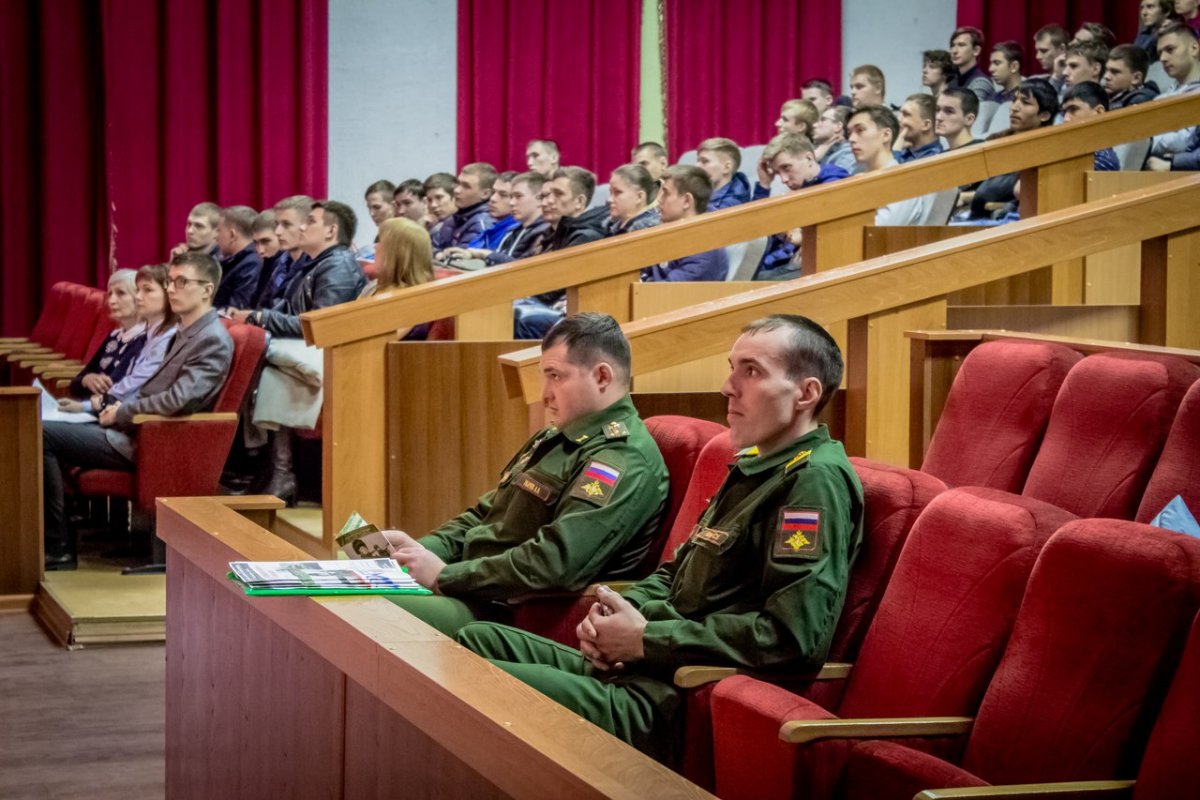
column 684, row 194
column 720, row 159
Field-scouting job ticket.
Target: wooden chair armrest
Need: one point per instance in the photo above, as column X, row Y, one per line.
column 691, row 677
column 1074, row 790
column 23, row 347
column 39, row 358
column 227, row 416
column 9, row 340
column 58, row 366
column 801, row 731
column 54, row 370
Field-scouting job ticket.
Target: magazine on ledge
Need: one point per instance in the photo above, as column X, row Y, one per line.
column 364, row 576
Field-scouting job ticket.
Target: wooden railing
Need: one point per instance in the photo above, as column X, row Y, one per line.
column 598, row 276
column 20, row 496
column 883, row 297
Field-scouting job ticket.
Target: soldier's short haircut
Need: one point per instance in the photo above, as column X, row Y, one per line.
column 1057, row 35
column 440, row 180
column 690, row 179
column 882, row 116
column 210, row 211
column 343, row 215
column 592, row 337
column 1012, row 51
column 412, row 186
column 300, row 203
column 241, row 219
column 207, row 268
column 656, row 149
column 873, row 74
column 264, row 221
column 794, row 144
column 968, row 100
column 506, row 176
column 1178, row 29
column 484, row 171
column 1134, row 57
column 824, row 87
column 383, row 187
column 1094, row 51
column 811, row 352
column 583, row 182
column 726, row 147
column 534, row 180
column 549, row 144
column 925, row 103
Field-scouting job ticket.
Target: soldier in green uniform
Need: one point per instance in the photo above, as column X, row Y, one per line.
column 581, row 500
column 760, row 583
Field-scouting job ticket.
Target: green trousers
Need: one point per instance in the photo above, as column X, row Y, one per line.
column 636, row 708
column 447, row 614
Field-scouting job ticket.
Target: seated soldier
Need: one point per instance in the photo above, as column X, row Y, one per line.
column 720, row 159
column 439, row 204
column 966, row 43
column 1084, row 62
column 758, row 586
column 187, row 381
column 917, row 129
column 409, row 201
column 472, row 191
column 542, row 155
column 817, row 92
column 791, row 157
column 582, row 499
column 956, row 112
column 200, row 233
column 684, row 194
column 1088, row 100
column 1180, row 57
column 1125, row 77
column 867, row 86
column 1005, row 68
column 936, row 69
column 1050, row 46
column 652, row 156
column 829, row 138
column 241, row 265
column 872, row 130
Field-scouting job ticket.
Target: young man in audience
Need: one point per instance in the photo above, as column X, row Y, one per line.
column 522, row 240
column 793, row 158
column 500, row 208
column 872, row 130
column 797, row 116
column 266, row 244
column 408, row 200
column 439, row 203
column 867, row 86
column 917, row 129
column 956, row 113
column 1084, row 62
column 1004, row 66
column 1084, row 101
column 1179, row 54
column 472, row 190
column 581, row 500
column 760, row 583
column 290, row 214
column 1151, row 14
column 818, row 92
column 186, row 382
column 936, row 69
column 829, row 137
column 379, row 201
column 966, row 43
column 1050, row 45
column 1095, row 32
column 684, row 194
column 200, row 233
column 720, row 159
column 1125, row 77
column 241, row 265
column 565, row 200
column 541, row 155
column 652, row 156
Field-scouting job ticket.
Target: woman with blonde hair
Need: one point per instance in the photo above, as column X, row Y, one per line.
column 403, row 258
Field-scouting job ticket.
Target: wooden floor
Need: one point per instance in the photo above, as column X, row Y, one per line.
column 82, row 724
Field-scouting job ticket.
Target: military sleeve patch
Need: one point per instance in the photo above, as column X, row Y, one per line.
column 597, row 483
column 799, row 534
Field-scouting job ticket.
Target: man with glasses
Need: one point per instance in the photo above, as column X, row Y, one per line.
column 187, row 382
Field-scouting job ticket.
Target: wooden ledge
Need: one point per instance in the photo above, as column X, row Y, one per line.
column 802, row 731
column 1075, row 790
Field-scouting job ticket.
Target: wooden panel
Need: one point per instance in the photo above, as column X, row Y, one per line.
column 20, row 493
column 701, row 405
column 1171, row 290
column 1113, row 276
column 451, row 428
column 836, row 243
column 610, row 295
column 353, row 435
column 1049, row 188
column 1117, row 323
column 932, row 367
column 485, row 324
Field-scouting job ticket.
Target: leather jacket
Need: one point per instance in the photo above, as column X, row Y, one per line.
column 331, row 278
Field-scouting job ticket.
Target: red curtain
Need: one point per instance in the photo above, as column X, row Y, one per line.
column 566, row 71
column 119, row 117
column 1001, row 20
column 732, row 63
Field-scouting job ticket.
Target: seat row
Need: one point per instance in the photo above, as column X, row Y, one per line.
column 72, row 325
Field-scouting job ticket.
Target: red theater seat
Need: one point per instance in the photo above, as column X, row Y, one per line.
column 50, row 320
column 996, row 413
column 1099, row 633
column 1178, row 468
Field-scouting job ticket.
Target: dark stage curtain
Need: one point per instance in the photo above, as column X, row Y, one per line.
column 117, row 117
column 1018, row 20
column 566, row 71
column 732, row 63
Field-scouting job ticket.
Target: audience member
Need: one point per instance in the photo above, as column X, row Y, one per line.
column 918, row 138
column 1151, row 14
column 290, row 214
column 1084, row 62
column 1180, row 57
column 241, row 265
column 829, row 136
column 186, row 382
column 541, row 155
column 872, row 130
column 652, row 156
column 499, row 207
column 936, row 69
column 957, row 110
column 200, row 233
column 631, row 191
column 523, row 239
column 685, row 194
column 409, row 201
column 121, row 347
column 1125, row 77
column 266, row 244
column 760, row 583
column 581, row 500
column 1189, row 13
column 439, row 203
column 797, row 116
column 379, row 201
column 721, row 160
column 472, row 190
column 966, row 43
column 404, row 258
column 1095, row 32
column 1085, row 101
column 1050, row 46
column 1005, row 68
column 818, row 92
column 867, row 86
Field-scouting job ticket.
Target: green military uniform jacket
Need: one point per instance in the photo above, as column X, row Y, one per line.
column 761, row 581
column 572, row 505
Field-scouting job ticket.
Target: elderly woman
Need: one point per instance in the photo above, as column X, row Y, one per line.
column 121, row 348
column 631, row 190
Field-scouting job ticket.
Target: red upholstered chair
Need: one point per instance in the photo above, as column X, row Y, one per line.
column 1099, row 633
column 931, row 647
column 1107, row 429
column 49, row 321
column 77, row 313
column 73, row 350
column 996, row 413
column 682, row 441
column 183, row 456
column 1178, row 468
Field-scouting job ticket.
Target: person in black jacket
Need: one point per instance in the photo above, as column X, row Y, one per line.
column 331, row 277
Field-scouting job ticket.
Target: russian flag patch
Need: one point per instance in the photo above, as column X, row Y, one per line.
column 597, row 483
column 799, row 534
